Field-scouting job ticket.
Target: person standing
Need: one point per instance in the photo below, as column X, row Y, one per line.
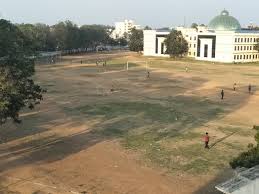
column 222, row 94
column 207, row 140
column 234, row 86
column 186, row 69
column 148, row 74
column 249, row 88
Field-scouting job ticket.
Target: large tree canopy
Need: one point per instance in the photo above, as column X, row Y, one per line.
column 136, row 40
column 67, row 36
column 17, row 89
column 40, row 36
column 93, row 35
column 176, row 45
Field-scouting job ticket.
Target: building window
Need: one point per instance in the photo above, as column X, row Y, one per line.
column 235, row 57
column 194, row 45
column 190, row 38
column 253, row 56
column 235, row 48
column 190, row 45
column 241, row 39
column 254, row 39
column 250, row 56
column 241, row 56
column 244, row 48
column 189, row 53
column 194, row 37
column 246, row 56
column 248, row 40
column 194, row 53
column 205, row 50
column 235, row 39
column 238, row 39
column 251, row 40
column 238, row 48
column 245, row 39
column 247, row 48
column 241, row 48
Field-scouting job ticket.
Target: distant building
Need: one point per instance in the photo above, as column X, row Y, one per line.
column 154, row 42
column 245, row 182
column 222, row 41
column 123, row 29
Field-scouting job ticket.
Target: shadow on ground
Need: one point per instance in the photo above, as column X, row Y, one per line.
column 147, row 119
column 209, row 188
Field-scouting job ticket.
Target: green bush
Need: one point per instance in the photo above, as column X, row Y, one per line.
column 250, row 158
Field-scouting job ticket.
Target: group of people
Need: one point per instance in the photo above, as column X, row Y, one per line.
column 234, row 88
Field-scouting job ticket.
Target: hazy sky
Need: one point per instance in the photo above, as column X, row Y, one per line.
column 155, row 13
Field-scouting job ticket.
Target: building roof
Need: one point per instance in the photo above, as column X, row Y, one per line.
column 243, row 178
column 224, row 22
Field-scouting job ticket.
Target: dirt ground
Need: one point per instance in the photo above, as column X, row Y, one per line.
column 105, row 130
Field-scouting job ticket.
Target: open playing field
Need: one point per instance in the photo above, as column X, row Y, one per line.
column 111, row 131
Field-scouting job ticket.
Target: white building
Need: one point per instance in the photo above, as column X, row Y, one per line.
column 124, row 28
column 223, row 41
column 154, row 42
column 245, row 182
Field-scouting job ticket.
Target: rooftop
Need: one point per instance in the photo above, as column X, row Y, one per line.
column 243, row 178
column 224, row 22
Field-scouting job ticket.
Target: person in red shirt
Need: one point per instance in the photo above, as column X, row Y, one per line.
column 206, row 140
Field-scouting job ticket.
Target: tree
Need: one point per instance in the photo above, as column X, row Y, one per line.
column 67, row 35
column 250, row 158
column 194, row 25
column 17, row 89
column 121, row 41
column 136, row 40
column 176, row 45
column 44, row 38
column 39, row 35
column 147, row 28
column 94, row 35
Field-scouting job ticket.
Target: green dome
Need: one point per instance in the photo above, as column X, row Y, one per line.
column 224, row 22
